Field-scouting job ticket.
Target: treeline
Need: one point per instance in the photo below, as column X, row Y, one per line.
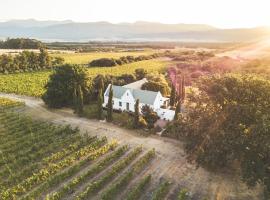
column 21, row 43
column 28, row 61
column 111, row 62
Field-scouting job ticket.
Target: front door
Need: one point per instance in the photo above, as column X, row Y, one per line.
column 127, row 105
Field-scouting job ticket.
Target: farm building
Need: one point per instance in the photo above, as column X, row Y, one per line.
column 124, row 99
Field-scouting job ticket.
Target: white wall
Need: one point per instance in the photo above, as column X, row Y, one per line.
column 127, row 97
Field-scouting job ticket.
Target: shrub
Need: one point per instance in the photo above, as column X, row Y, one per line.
column 62, row 84
column 103, row 62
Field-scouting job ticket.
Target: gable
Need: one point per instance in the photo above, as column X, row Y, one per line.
column 128, row 96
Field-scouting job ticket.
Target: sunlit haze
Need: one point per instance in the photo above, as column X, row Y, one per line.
column 219, row 13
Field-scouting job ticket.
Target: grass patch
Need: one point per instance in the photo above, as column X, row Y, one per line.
column 32, row 83
column 85, row 58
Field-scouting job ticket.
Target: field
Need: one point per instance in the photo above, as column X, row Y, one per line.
column 41, row 160
column 32, row 83
column 85, row 58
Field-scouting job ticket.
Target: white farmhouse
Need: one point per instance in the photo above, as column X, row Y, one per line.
column 124, row 99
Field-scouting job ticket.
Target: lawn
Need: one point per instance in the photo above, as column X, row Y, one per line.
column 32, row 83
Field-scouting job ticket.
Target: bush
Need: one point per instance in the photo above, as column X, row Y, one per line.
column 103, row 62
column 149, row 116
column 60, row 87
column 228, row 122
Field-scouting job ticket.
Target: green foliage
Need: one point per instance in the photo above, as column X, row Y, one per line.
column 110, row 105
column 161, row 191
column 124, row 180
column 102, row 81
column 118, row 167
column 28, row 61
column 33, row 83
column 74, row 183
column 157, row 83
column 65, row 84
column 182, row 195
column 177, row 110
column 149, row 116
column 21, row 43
column 172, row 96
column 140, row 73
column 111, row 62
column 136, row 114
column 138, row 190
column 103, row 62
column 228, row 121
column 100, row 107
column 79, row 101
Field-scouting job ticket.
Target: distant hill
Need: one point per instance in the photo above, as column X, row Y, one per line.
column 138, row 31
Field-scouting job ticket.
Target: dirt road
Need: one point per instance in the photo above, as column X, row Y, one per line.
column 170, row 163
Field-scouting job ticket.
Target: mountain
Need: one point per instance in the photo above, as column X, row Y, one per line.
column 138, row 31
column 32, row 23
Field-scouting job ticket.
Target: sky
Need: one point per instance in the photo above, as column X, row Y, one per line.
column 219, row 13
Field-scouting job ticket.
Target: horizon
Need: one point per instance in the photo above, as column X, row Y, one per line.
column 132, row 22
column 223, row 14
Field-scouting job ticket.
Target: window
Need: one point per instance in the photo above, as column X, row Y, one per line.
column 120, row 103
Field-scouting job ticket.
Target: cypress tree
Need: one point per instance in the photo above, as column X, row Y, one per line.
column 177, row 110
column 110, row 105
column 136, row 114
column 180, row 89
column 173, row 96
column 75, row 98
column 183, row 90
column 101, row 84
column 100, row 101
column 79, row 100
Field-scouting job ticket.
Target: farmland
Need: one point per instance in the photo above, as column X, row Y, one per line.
column 40, row 159
column 84, row 58
column 32, row 83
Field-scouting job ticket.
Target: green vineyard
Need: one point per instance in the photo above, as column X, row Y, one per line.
column 32, row 83
column 40, row 160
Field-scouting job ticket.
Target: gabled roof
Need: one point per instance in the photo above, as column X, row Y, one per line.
column 144, row 96
column 137, row 84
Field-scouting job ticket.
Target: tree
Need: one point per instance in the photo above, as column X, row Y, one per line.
column 157, row 83
column 79, row 105
column 228, row 121
column 149, row 115
column 103, row 62
column 63, row 85
column 100, row 102
column 140, row 73
column 44, row 58
column 177, row 110
column 110, row 106
column 137, row 114
column 173, row 96
column 57, row 61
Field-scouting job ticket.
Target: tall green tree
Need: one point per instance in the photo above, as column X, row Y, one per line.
column 44, row 58
column 177, row 110
column 149, row 115
column 173, row 96
column 140, row 73
column 228, row 122
column 110, row 106
column 136, row 114
column 79, row 106
column 99, row 103
column 63, row 85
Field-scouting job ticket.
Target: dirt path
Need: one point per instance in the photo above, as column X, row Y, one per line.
column 171, row 162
